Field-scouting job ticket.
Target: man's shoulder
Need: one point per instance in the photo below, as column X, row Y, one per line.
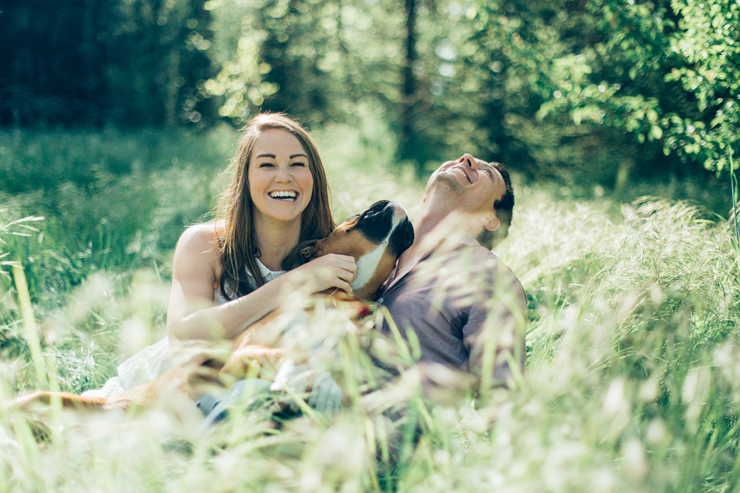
column 482, row 259
column 466, row 267
column 498, row 275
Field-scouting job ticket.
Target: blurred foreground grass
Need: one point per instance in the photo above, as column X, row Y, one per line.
column 633, row 369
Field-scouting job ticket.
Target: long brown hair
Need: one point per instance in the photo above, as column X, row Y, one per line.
column 237, row 242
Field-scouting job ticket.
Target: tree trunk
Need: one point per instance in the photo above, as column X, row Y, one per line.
column 408, row 136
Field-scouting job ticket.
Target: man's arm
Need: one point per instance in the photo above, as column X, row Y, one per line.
column 494, row 333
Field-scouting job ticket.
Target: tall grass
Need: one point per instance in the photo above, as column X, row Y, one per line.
column 633, row 356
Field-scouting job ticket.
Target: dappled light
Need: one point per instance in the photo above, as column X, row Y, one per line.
column 618, row 120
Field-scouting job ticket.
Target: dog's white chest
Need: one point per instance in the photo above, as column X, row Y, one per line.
column 367, row 264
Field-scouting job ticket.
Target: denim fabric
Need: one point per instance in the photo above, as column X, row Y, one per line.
column 242, row 391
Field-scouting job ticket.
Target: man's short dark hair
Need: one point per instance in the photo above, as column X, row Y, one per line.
column 504, row 208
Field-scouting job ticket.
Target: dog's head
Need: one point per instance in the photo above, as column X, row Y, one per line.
column 375, row 238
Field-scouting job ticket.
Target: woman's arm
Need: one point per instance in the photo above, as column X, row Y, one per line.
column 192, row 313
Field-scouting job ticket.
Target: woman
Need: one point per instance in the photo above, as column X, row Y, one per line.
column 278, row 197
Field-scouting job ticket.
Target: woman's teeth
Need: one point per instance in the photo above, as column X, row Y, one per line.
column 288, row 196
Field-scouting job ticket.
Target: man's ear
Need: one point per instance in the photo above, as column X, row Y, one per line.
column 302, row 253
column 491, row 222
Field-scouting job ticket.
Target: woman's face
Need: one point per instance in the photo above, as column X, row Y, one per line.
column 280, row 181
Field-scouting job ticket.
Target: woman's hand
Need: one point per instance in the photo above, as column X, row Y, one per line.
column 329, row 271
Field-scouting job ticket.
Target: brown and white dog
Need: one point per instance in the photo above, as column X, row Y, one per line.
column 375, row 238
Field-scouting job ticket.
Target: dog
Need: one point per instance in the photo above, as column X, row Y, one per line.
column 375, row 238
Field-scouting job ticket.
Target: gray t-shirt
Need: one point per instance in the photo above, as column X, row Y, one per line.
column 459, row 302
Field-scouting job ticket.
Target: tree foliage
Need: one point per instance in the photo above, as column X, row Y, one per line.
column 604, row 87
column 663, row 72
column 94, row 62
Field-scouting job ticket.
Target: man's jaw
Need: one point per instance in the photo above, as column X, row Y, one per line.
column 452, row 180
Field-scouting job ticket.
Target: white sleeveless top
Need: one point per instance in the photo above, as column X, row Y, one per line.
column 152, row 361
column 267, row 274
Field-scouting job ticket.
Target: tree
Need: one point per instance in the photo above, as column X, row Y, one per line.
column 664, row 72
column 89, row 62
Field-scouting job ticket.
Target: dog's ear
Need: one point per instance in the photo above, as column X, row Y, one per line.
column 302, row 253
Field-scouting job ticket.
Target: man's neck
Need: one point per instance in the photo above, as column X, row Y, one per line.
column 431, row 227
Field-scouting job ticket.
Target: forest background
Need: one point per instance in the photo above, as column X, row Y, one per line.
column 606, row 91
column 117, row 118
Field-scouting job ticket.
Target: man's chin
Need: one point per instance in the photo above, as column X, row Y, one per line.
column 449, row 182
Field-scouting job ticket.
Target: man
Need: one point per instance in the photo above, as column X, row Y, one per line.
column 466, row 308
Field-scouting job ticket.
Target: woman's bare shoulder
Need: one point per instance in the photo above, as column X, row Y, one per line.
column 199, row 239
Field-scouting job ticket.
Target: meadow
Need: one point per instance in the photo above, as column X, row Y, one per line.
column 633, row 357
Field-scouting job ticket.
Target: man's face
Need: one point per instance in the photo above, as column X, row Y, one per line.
column 472, row 184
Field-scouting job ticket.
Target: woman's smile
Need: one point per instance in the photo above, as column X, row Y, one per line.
column 284, row 195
